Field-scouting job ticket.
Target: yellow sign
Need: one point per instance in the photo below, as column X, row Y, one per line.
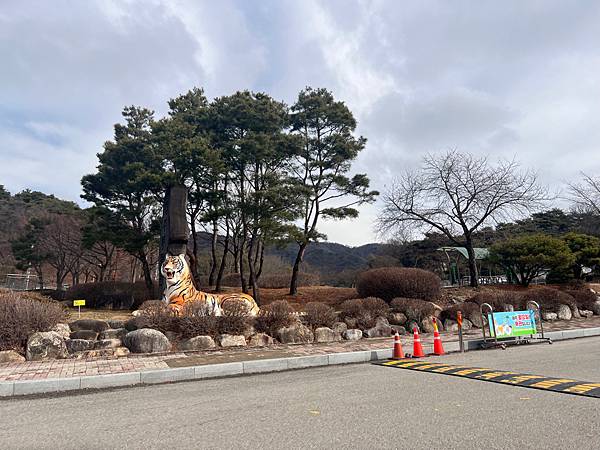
column 78, row 302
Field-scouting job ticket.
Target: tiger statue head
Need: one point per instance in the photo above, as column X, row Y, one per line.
column 175, row 269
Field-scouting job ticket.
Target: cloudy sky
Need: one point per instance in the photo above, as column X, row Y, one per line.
column 500, row 78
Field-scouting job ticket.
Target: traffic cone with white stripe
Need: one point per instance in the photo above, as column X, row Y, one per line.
column 398, row 352
column 417, row 347
column 438, row 348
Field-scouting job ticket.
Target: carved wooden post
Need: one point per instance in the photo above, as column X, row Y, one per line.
column 174, row 230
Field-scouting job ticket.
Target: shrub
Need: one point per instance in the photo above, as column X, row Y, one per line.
column 156, row 314
column 549, row 299
column 392, row 282
column 583, row 298
column 319, row 315
column 196, row 321
column 412, row 308
column 22, row 315
column 112, row 294
column 234, row 319
column 468, row 309
column 274, row 316
column 498, row 299
column 364, row 311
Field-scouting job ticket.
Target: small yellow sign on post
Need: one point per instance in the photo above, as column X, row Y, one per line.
column 78, row 302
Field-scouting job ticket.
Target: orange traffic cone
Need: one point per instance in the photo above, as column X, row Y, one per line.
column 438, row 348
column 417, row 347
column 398, row 352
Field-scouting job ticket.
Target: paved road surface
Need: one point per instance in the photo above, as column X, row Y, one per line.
column 358, row 406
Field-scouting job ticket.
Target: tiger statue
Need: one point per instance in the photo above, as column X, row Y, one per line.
column 180, row 289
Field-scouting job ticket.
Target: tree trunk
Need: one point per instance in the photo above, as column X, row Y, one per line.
column 223, row 261
column 193, row 255
column 472, row 263
column 296, row 269
column 213, row 254
column 147, row 273
column 252, row 277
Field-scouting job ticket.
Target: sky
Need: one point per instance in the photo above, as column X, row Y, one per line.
column 498, row 78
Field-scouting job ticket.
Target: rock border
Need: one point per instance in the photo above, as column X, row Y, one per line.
column 55, row 385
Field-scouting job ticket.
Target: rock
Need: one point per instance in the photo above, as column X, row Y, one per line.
column 89, row 324
column 397, row 318
column 325, row 334
column 575, row 312
column 339, row 327
column 549, row 316
column 10, row 356
column 79, row 345
column 231, row 340
column 171, row 336
column 353, row 334
column 564, row 312
column 467, row 324
column 427, row 325
column 146, row 340
column 116, row 333
column 451, row 325
column 137, row 323
column 116, row 324
column 89, row 335
column 585, row 313
column 382, row 322
column 198, row 343
column 295, row 334
column 398, row 329
column 378, row 331
column 136, row 313
column 44, row 345
column 63, row 329
column 107, row 343
column 249, row 331
column 260, row 340
column 121, row 351
column 476, row 319
column 596, row 307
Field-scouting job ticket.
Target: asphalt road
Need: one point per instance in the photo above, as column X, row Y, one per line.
column 357, row 406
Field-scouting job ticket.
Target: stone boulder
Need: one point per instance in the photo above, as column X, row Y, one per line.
column 353, row 334
column 427, row 325
column 116, row 324
column 45, row 345
column 10, row 356
column 382, row 328
column 596, row 307
column 325, row 334
column 476, row 319
column 451, row 325
column 198, row 343
column 107, row 343
column 260, row 340
column 146, row 340
column 89, row 324
column 564, row 312
column 89, row 335
column 295, row 334
column 79, row 345
column 585, row 313
column 231, row 340
column 575, row 312
column 113, row 333
column 397, row 318
column 398, row 329
column 411, row 325
column 339, row 327
column 63, row 329
column 549, row 316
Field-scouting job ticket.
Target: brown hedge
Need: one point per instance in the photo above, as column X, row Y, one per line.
column 364, row 311
column 585, row 299
column 112, row 294
column 388, row 283
column 22, row 315
column 274, row 316
column 319, row 315
column 549, row 299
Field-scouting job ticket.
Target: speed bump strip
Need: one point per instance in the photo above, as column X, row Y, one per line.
column 564, row 385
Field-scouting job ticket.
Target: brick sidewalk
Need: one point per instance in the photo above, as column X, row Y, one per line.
column 68, row 368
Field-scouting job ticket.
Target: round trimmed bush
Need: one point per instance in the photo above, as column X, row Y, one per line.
column 388, row 283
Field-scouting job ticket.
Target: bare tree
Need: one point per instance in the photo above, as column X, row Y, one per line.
column 585, row 195
column 456, row 194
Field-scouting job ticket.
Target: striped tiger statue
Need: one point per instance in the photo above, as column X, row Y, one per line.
column 180, row 289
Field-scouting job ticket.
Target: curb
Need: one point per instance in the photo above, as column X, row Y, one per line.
column 30, row 387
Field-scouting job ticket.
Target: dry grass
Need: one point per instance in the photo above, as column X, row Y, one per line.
column 99, row 314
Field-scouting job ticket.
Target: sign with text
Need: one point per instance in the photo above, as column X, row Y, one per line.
column 78, row 302
column 511, row 324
